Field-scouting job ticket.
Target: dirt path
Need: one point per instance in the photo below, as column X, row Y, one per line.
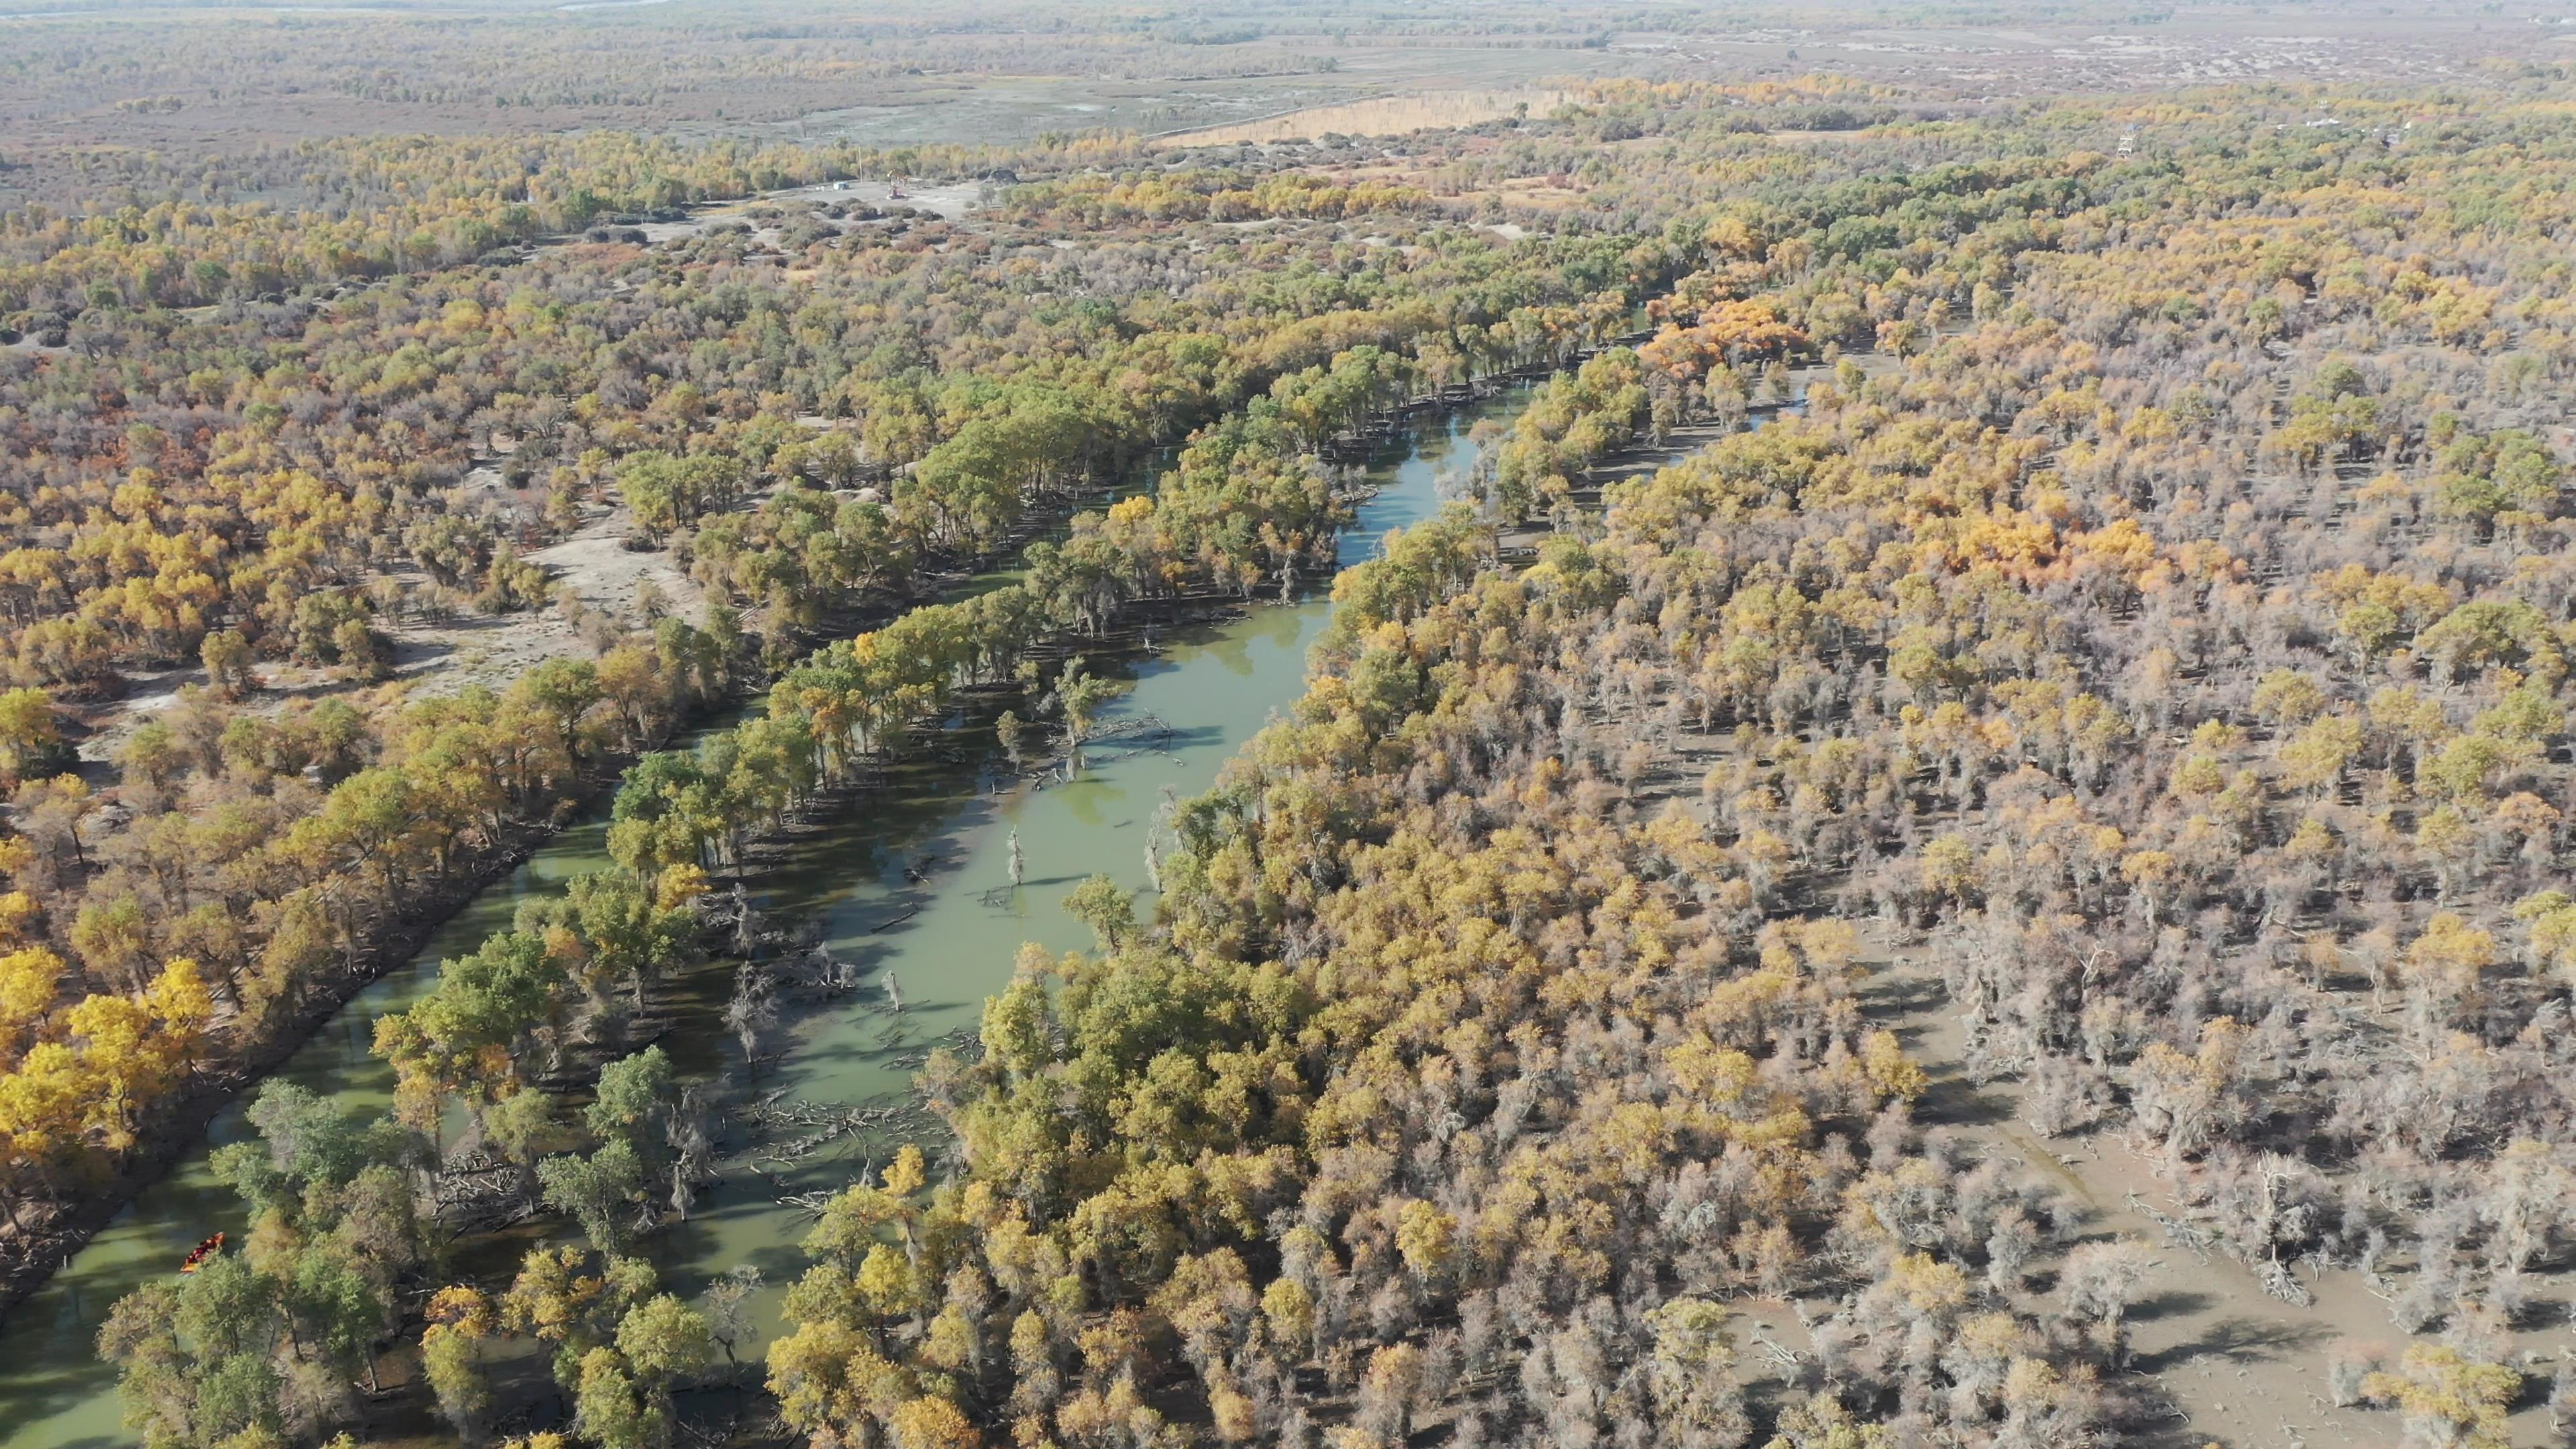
column 2235, row 1366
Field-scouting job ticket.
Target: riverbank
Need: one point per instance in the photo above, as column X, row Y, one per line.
column 31, row 1255
column 1215, row 683
column 1231, row 674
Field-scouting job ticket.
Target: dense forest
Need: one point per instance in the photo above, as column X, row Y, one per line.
column 2159, row 635
column 284, row 482
column 2103, row 654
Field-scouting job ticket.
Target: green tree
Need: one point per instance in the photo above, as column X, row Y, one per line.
column 612, row 1410
column 601, row 1190
column 1107, row 909
column 1082, row 696
column 632, row 1106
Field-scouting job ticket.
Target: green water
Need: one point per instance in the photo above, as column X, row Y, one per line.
column 54, row 1393
column 950, row 815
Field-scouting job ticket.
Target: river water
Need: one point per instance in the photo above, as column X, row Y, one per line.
column 948, row 938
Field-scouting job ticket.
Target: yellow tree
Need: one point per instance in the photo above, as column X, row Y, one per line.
column 2448, row 1397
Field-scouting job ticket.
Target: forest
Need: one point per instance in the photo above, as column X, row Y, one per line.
column 256, row 851
column 1989, row 738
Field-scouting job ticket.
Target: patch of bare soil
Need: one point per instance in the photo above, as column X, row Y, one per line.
column 1380, row 116
column 445, row 656
column 2232, row 1365
column 950, row 200
column 2218, row 1360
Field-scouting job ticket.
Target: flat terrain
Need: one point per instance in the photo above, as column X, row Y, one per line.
column 1384, row 116
column 659, row 70
column 2232, row 1364
column 597, row 568
column 2190, row 47
column 1457, row 86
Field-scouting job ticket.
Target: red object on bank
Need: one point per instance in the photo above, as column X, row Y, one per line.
column 204, row 1250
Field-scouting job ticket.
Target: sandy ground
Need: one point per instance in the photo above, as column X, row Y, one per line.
column 492, row 650
column 2236, row 1366
column 2093, row 51
column 951, row 200
column 1382, row 116
column 2225, row 1363
column 435, row 659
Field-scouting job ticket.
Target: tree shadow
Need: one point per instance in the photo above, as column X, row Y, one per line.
column 1954, row 1100
column 2172, row 1429
column 2167, row 1304
column 1887, row 995
column 419, row 655
column 2237, row 1339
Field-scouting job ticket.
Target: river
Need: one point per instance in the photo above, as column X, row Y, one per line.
column 946, row 815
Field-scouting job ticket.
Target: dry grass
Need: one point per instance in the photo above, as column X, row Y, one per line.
column 1543, row 193
column 1845, row 136
column 1384, row 116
